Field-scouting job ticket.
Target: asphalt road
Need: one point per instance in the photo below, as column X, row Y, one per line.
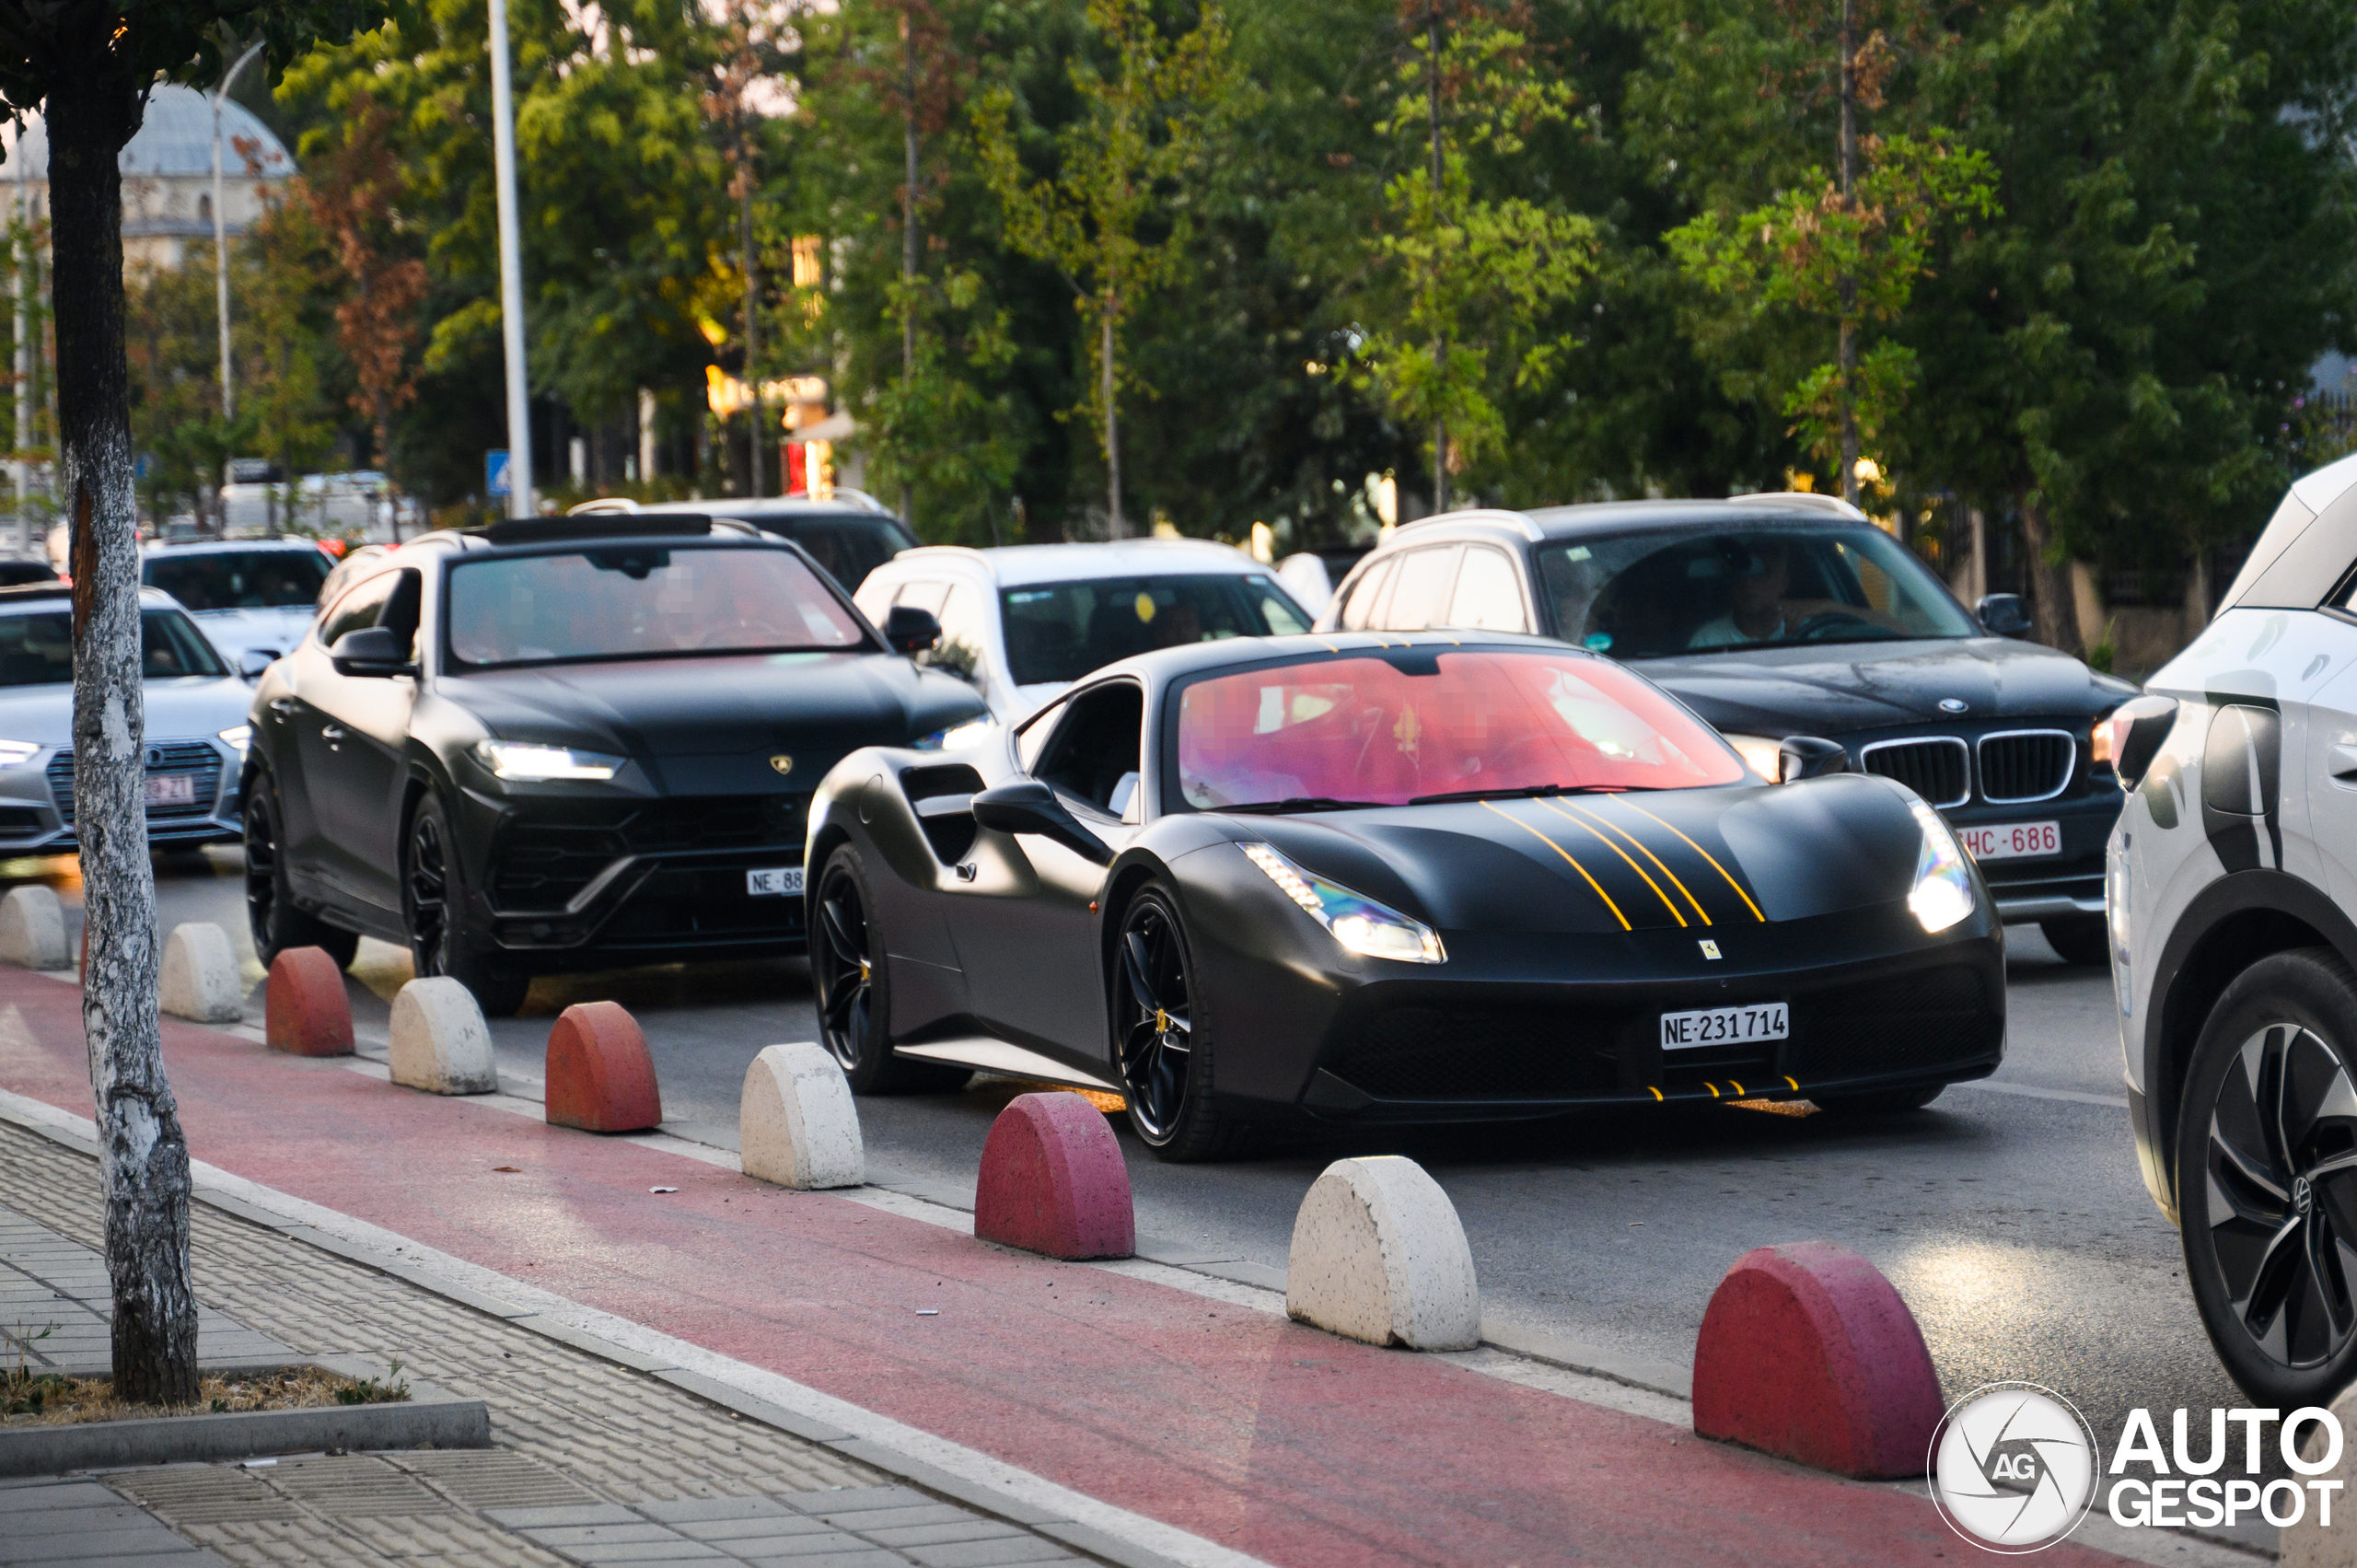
column 2013, row 1223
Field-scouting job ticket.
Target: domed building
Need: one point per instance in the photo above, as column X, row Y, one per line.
column 167, row 174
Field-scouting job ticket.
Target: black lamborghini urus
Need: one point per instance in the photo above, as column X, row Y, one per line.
column 568, row 743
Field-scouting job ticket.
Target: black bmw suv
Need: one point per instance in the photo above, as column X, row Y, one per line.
column 1792, row 615
column 569, row 743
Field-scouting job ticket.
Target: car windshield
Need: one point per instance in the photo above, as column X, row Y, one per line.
column 38, row 650
column 1655, row 595
column 1394, row 727
column 642, row 602
column 1059, row 631
column 247, row 579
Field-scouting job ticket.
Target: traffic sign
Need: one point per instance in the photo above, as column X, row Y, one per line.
column 494, row 473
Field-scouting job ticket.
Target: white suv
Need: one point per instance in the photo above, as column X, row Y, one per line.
column 2232, row 879
column 1023, row 622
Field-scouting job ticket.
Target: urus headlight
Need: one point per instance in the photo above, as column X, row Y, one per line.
column 1357, row 923
column 529, row 761
column 1942, row 893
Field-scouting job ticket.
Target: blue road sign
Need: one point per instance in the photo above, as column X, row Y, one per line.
column 494, row 473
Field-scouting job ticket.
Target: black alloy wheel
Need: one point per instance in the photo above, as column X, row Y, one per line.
column 434, row 899
column 2266, row 1177
column 1161, row 1037
column 272, row 916
column 853, row 987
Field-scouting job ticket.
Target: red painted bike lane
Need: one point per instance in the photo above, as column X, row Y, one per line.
column 1274, row 1439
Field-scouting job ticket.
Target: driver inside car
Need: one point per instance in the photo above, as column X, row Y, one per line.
column 1758, row 610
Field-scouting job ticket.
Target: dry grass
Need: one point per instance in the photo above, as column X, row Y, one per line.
column 44, row 1400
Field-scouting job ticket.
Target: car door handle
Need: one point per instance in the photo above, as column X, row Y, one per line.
column 283, row 707
column 330, row 732
column 2344, row 763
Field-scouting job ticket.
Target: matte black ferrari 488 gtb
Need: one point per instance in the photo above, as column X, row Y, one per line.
column 1405, row 878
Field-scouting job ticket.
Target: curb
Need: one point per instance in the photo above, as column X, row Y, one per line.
column 429, row 1418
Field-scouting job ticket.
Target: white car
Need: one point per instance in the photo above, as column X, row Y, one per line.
column 197, row 730
column 1024, row 621
column 2232, row 881
column 248, row 594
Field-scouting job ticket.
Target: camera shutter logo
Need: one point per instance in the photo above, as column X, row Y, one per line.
column 2014, row 1468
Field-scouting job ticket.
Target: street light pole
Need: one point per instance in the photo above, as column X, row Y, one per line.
column 20, row 246
column 511, row 272
column 221, row 246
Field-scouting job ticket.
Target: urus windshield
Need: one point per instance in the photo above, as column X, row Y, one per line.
column 1392, row 728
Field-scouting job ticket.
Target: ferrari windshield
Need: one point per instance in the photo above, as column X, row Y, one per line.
column 1395, row 728
column 640, row 601
column 1655, row 595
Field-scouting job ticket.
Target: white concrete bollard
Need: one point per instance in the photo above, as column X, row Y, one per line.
column 200, row 978
column 32, row 929
column 795, row 1122
column 2308, row 1542
column 1378, row 1255
column 439, row 1043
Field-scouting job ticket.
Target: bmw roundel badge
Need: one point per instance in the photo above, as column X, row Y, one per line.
column 1953, row 704
column 782, row 763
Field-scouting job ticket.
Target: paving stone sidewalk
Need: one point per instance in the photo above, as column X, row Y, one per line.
column 593, row 1463
column 56, row 1310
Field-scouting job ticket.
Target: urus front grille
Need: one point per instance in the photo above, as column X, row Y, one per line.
column 2026, row 764
column 1937, row 767
column 184, row 757
column 546, row 858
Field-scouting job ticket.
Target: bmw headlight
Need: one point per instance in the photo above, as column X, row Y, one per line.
column 957, row 737
column 1943, row 892
column 1359, row 923
column 529, row 761
column 238, row 736
column 16, row 753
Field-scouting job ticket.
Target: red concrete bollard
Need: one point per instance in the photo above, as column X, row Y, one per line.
column 306, row 1010
column 600, row 1078
column 1806, row 1352
column 1053, row 1181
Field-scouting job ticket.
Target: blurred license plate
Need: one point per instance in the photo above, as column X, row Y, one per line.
column 786, row 879
column 2011, row 841
column 171, row 789
column 1726, row 1026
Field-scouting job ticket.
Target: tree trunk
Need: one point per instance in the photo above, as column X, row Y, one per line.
column 1113, row 423
column 2053, row 604
column 143, row 1154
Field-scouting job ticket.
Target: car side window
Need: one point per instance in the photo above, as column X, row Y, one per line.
column 1360, row 608
column 1426, row 577
column 359, row 608
column 1032, row 738
column 924, row 595
column 964, row 637
column 1489, row 594
column 1093, row 756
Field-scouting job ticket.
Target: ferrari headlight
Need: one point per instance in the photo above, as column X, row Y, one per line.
column 16, row 753
column 1359, row 923
column 528, row 762
column 957, row 737
column 1763, row 754
column 1943, row 892
column 238, row 736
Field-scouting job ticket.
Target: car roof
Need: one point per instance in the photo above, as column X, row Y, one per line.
column 843, row 504
column 231, row 546
column 1026, row 565
column 1621, row 516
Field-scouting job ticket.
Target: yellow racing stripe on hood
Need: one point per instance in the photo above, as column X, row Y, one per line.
column 1575, row 866
column 1697, row 848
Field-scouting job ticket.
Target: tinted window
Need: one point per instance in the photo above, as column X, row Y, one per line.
column 38, row 650
column 849, row 547
column 1094, row 756
column 260, row 580
column 357, row 609
column 642, row 600
column 1648, row 596
column 1389, row 730
column 1061, row 631
column 14, row 573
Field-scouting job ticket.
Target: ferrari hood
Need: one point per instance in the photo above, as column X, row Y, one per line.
column 1701, row 858
column 1834, row 688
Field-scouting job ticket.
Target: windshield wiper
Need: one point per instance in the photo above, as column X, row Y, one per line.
column 1527, row 792
column 1303, row 803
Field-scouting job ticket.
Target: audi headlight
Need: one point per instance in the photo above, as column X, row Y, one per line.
column 1763, row 755
column 238, row 736
column 526, row 760
column 957, row 737
column 16, row 753
column 1943, row 892
column 1357, row 923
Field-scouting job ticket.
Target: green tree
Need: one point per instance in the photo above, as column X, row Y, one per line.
column 1111, row 218
column 1470, row 282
